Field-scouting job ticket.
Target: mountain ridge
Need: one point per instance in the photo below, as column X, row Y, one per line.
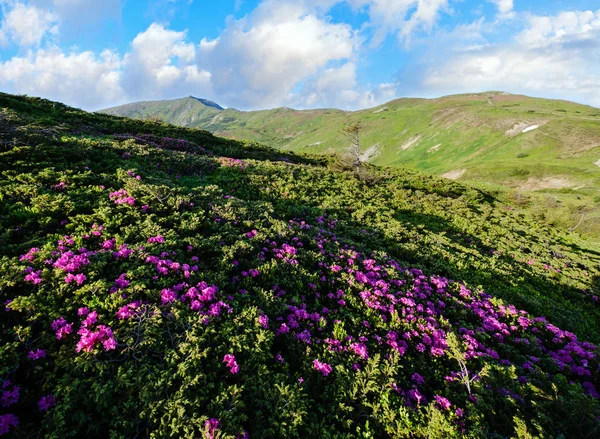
column 525, row 144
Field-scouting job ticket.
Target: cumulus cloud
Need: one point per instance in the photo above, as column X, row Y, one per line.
column 505, row 7
column 338, row 87
column 82, row 79
column 260, row 59
column 26, row 25
column 402, row 17
column 161, row 63
column 554, row 56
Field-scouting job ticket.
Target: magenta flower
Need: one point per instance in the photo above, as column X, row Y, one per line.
column 30, row 255
column 46, row 403
column 167, row 296
column 121, row 197
column 324, row 368
column 10, row 397
column 360, row 349
column 77, row 278
column 156, row 240
column 6, row 422
column 263, row 320
column 62, row 328
column 230, row 362
column 37, row 354
column 120, row 283
column 442, row 402
column 33, row 276
column 210, row 427
column 417, row 379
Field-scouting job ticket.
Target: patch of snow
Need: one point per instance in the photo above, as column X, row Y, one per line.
column 597, row 163
column 380, row 110
column 531, row 128
column 434, row 148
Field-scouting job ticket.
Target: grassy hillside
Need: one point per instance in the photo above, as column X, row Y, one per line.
column 476, row 138
column 162, row 282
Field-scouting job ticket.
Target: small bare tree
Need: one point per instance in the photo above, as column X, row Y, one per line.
column 352, row 133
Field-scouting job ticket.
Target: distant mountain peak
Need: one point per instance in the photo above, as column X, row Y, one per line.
column 208, row 103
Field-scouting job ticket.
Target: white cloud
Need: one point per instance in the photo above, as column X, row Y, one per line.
column 402, row 17
column 557, row 56
column 81, row 79
column 259, row 60
column 77, row 16
column 26, row 25
column 505, row 7
column 338, row 87
column 162, row 64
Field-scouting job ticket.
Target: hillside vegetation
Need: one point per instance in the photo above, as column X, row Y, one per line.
column 546, row 152
column 159, row 281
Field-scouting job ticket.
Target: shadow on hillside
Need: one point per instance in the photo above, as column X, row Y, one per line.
column 561, row 303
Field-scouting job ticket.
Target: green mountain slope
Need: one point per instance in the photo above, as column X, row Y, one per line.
column 516, row 142
column 159, row 281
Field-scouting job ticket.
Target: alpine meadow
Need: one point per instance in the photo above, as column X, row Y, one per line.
column 299, row 219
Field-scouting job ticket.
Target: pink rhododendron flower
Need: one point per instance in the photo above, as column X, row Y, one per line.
column 230, row 362
column 8, row 421
column 210, row 427
column 10, row 397
column 46, row 403
column 442, row 402
column 324, row 368
column 263, row 320
column 37, row 354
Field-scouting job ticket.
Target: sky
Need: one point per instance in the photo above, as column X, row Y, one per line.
column 257, row 54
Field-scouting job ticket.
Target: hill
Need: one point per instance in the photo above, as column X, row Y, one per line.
column 159, row 281
column 544, row 150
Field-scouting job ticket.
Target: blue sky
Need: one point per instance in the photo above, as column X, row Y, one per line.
column 253, row 54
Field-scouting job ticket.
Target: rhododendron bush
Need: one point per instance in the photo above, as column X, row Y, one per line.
column 170, row 284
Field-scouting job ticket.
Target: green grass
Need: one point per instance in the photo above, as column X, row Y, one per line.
column 456, row 133
column 309, row 227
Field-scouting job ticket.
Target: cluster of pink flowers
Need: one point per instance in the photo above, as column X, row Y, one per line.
column 324, row 368
column 7, row 422
column 129, row 310
column 121, row 197
column 442, row 402
column 210, row 428
column 88, row 338
column 35, row 277
column 263, row 320
column 46, row 403
column 9, row 396
column 233, row 163
column 165, row 267
column 230, row 362
column 120, row 283
column 60, row 186
column 287, row 252
column 37, row 354
column 61, row 328
column 70, row 262
column 30, row 255
column 77, row 278
column 156, row 240
column 251, row 234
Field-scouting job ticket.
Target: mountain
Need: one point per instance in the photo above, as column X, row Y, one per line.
column 517, row 142
column 160, row 281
